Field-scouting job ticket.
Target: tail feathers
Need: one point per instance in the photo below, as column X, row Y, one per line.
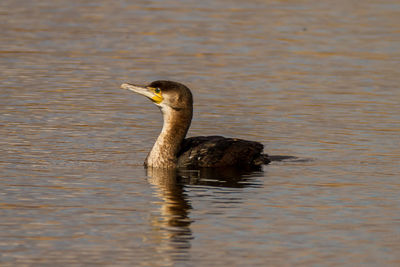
column 282, row 158
column 262, row 159
column 266, row 159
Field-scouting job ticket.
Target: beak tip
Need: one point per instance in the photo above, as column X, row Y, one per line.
column 125, row 86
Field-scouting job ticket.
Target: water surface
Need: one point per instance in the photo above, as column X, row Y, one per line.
column 311, row 79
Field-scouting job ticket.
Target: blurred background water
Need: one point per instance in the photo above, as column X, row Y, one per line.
column 317, row 80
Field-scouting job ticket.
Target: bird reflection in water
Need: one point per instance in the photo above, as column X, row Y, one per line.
column 171, row 226
column 173, row 222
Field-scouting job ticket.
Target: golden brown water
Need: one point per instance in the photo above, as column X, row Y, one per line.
column 315, row 79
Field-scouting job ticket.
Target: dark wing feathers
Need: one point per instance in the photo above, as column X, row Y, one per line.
column 218, row 151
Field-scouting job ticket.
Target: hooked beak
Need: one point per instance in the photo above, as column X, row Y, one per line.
column 143, row 90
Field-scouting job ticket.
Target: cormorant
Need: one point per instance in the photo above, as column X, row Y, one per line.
column 172, row 150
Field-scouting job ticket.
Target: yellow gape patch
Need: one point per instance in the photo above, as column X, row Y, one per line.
column 157, row 98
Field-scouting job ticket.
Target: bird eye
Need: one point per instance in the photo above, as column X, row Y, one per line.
column 157, row 90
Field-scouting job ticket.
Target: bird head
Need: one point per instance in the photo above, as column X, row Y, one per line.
column 165, row 94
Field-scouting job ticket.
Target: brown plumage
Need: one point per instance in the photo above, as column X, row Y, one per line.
column 218, row 151
column 172, row 150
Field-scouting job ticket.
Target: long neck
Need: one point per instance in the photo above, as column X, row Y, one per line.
column 165, row 150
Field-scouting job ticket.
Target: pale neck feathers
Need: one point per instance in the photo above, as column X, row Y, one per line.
column 165, row 150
